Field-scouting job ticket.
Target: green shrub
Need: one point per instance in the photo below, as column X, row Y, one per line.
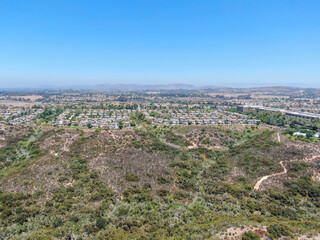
column 250, row 236
column 162, row 192
column 276, row 231
column 131, row 177
column 101, row 223
column 162, row 180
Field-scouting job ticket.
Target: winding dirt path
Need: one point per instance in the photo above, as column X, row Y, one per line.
column 257, row 185
column 285, row 170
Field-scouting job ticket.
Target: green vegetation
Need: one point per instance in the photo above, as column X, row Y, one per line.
column 176, row 139
column 19, row 152
column 309, row 135
column 276, row 231
column 131, row 177
column 139, row 117
column 197, row 196
column 293, row 124
column 250, row 236
column 50, row 114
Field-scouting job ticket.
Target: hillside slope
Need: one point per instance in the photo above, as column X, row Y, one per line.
column 148, row 183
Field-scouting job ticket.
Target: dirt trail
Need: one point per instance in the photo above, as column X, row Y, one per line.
column 169, row 144
column 192, row 146
column 285, row 170
column 257, row 186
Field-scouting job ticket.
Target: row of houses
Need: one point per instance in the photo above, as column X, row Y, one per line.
column 205, row 121
column 114, row 122
column 10, row 113
column 25, row 118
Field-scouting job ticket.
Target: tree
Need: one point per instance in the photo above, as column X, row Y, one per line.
column 310, row 133
column 120, row 124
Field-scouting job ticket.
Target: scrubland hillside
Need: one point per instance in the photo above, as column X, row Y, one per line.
column 189, row 182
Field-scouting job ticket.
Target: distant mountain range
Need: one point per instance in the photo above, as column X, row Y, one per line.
column 134, row 87
column 114, row 87
column 144, row 87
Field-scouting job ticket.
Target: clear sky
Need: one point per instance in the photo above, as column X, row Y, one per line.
column 217, row 42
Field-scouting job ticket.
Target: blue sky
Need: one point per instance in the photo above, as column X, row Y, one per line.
column 224, row 43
